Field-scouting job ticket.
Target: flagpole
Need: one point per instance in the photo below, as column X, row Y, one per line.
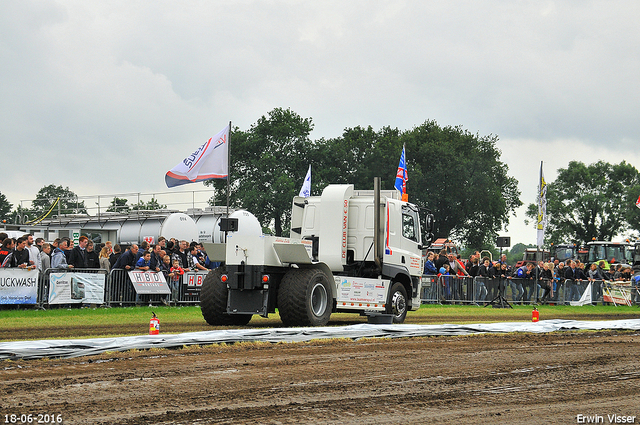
column 228, row 167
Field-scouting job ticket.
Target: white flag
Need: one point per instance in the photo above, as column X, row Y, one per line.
column 209, row 161
column 305, row 192
column 542, row 208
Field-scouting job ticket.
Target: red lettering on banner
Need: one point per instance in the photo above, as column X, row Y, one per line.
column 345, row 211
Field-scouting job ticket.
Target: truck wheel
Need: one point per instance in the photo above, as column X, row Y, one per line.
column 304, row 298
column 397, row 304
column 213, row 302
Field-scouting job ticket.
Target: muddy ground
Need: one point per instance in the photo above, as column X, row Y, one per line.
column 513, row 378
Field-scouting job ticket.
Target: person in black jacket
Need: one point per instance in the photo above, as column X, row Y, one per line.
column 442, row 259
column 93, row 260
column 571, row 276
column 113, row 257
column 128, row 260
column 78, row 256
column 156, row 259
column 546, row 282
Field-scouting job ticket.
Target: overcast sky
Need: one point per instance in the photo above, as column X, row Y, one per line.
column 105, row 97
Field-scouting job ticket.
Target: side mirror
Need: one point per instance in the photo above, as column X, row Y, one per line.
column 426, row 240
column 429, row 223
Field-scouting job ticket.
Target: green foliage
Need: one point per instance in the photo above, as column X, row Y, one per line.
column 584, row 202
column 118, row 205
column 152, row 204
column 46, row 196
column 5, row 208
column 515, row 253
column 452, row 172
column 459, row 176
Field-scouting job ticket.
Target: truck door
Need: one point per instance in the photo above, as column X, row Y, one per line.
column 411, row 239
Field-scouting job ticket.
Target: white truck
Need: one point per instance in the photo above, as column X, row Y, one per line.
column 349, row 251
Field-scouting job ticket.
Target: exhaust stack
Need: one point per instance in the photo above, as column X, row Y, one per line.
column 377, row 224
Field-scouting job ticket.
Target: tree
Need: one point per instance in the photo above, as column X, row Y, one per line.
column 46, row 197
column 5, row 208
column 459, row 176
column 515, row 253
column 269, row 163
column 453, row 173
column 632, row 213
column 148, row 206
column 584, row 202
column 118, row 205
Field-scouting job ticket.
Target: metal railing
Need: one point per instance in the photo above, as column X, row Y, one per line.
column 120, row 291
column 448, row 289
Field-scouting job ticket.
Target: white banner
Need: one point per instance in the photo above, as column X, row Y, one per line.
column 618, row 294
column 18, row 286
column 145, row 282
column 192, row 282
column 76, row 288
column 542, row 208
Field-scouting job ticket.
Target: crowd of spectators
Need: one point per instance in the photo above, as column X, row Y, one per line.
column 528, row 282
column 170, row 257
column 27, row 252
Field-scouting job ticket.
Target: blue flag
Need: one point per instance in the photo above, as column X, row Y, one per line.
column 401, row 175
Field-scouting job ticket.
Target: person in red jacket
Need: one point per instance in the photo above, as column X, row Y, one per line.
column 175, row 279
column 6, row 248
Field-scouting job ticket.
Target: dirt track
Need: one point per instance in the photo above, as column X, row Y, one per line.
column 516, row 379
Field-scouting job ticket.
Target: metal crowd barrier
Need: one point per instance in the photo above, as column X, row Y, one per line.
column 448, row 289
column 44, row 280
column 119, row 291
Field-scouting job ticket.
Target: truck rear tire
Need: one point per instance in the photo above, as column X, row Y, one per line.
column 397, row 304
column 304, row 298
column 213, row 302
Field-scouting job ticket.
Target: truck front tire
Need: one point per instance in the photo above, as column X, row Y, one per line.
column 397, row 304
column 304, row 298
column 213, row 302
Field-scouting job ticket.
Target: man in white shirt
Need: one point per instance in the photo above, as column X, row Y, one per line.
column 34, row 252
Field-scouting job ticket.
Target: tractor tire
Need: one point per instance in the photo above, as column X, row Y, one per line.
column 213, row 302
column 397, row 303
column 304, row 298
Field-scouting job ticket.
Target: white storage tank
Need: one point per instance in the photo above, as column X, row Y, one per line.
column 175, row 225
column 179, row 226
column 209, row 229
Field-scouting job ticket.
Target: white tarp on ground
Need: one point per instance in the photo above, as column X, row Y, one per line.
column 85, row 347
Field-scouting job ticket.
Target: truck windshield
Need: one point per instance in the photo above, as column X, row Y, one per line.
column 563, row 254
